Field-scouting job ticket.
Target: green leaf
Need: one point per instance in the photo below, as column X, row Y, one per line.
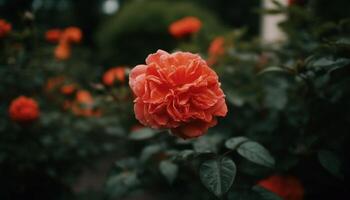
column 266, row 194
column 150, row 150
column 276, row 96
column 256, row 153
column 234, row 142
column 343, row 42
column 119, row 185
column 208, row 143
column 235, row 98
column 218, row 175
column 328, row 63
column 185, row 155
column 272, row 69
column 169, row 170
column 142, row 134
column 331, row 163
column 114, row 130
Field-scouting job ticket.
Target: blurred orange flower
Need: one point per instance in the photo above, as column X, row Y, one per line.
column 64, row 38
column 83, row 105
column 62, row 51
column 217, row 46
column 185, row 26
column 24, row 109
column 5, row 28
column 68, row 89
column 216, row 49
column 114, row 74
column 84, row 97
column 72, row 34
column 287, row 187
column 53, row 35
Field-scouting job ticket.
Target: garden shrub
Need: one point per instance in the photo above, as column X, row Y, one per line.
column 141, row 27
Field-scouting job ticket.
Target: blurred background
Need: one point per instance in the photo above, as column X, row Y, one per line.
column 114, row 28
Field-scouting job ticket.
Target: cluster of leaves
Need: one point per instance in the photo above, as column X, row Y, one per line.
column 42, row 159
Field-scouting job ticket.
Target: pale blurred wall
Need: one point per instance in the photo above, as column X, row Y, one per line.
column 270, row 32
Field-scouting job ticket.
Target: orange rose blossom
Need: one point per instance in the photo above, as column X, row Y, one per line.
column 114, row 74
column 5, row 28
column 287, row 187
column 24, row 109
column 64, row 38
column 185, row 26
column 178, row 92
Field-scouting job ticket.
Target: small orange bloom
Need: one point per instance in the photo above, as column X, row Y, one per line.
column 68, row 89
column 72, row 34
column 287, row 187
column 217, row 46
column 62, row 51
column 185, row 26
column 84, row 97
column 64, row 39
column 114, row 74
column 83, row 105
column 5, row 28
column 216, row 49
column 24, row 109
column 53, row 35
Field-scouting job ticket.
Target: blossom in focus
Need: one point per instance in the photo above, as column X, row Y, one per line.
column 24, row 109
column 114, row 74
column 5, row 28
column 185, row 26
column 287, row 187
column 178, row 92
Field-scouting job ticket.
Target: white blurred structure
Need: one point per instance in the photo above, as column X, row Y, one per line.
column 270, row 32
column 110, row 6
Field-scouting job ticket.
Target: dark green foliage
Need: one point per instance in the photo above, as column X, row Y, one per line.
column 141, row 28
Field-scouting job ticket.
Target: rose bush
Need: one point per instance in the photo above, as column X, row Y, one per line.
column 279, row 138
